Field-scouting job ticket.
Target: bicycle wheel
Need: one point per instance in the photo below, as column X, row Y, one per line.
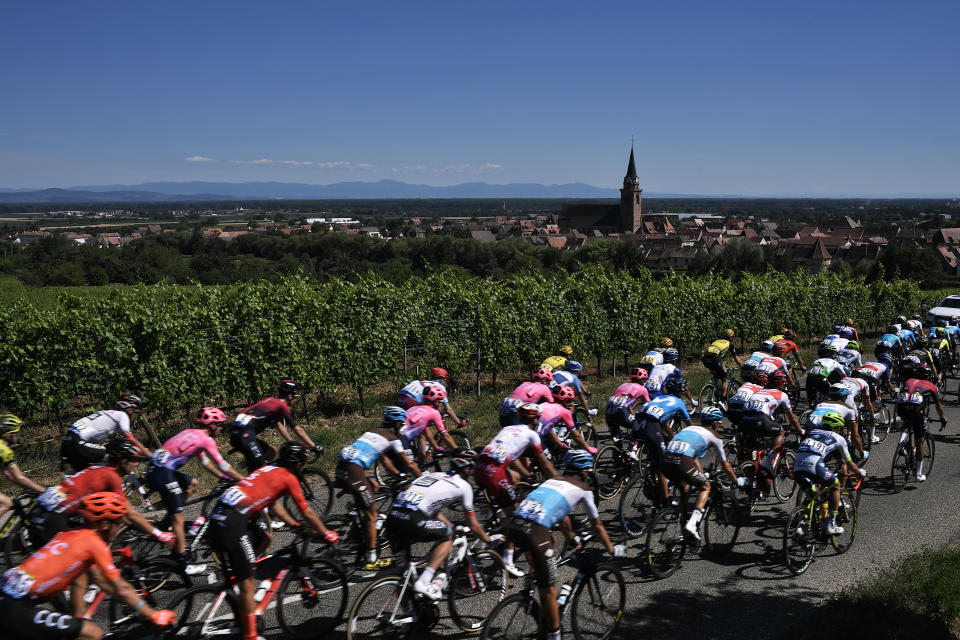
column 749, row 494
column 517, row 617
column 17, row 545
column 722, row 524
column 707, row 395
column 597, row 606
column 158, row 581
column 611, row 470
column 666, row 543
column 883, row 423
column 846, row 518
column 784, row 484
column 460, row 438
column 206, row 612
column 477, row 586
column 385, row 609
column 636, row 505
column 799, row 543
column 317, row 489
column 900, row 470
column 311, row 599
column 929, row 451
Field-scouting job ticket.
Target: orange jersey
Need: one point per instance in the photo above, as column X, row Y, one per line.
column 55, row 566
column 262, row 488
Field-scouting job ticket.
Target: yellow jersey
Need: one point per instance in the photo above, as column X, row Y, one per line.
column 554, row 362
column 6, row 455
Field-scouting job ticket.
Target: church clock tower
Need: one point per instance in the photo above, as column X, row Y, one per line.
column 630, row 199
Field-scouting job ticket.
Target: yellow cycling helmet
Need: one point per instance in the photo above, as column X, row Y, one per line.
column 10, row 423
column 848, row 322
column 728, row 334
column 566, row 350
column 666, row 343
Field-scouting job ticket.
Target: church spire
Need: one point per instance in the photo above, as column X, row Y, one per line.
column 631, row 178
column 631, row 199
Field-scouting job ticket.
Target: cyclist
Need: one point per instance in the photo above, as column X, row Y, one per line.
column 814, row 449
column 921, row 354
column 416, row 517
column 941, row 348
column 652, row 426
column 570, row 376
column 915, row 325
column 714, row 355
column 875, row 374
column 552, row 414
column 847, row 330
column 842, row 399
column 760, row 413
column 533, row 392
column 824, row 371
column 164, row 476
column 9, row 434
column 419, row 419
column 556, row 362
column 681, row 461
column 254, row 420
column 891, row 343
column 83, row 442
column 547, row 506
column 849, row 356
column 738, row 402
column 499, row 466
column 236, row 537
column 662, row 373
column 66, row 563
column 625, row 398
column 907, row 337
column 654, row 357
column 57, row 504
column 911, row 408
column 786, row 347
column 953, row 332
column 351, row 474
column 412, row 394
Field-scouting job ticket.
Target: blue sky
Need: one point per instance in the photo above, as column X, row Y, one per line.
column 756, row 98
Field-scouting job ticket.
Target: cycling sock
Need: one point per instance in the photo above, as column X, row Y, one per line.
column 427, row 576
column 508, row 556
column 873, row 432
column 250, row 628
column 903, row 437
column 553, row 635
column 919, row 467
column 695, row 518
column 371, row 555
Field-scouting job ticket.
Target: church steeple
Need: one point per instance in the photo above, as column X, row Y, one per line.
column 631, row 178
column 630, row 199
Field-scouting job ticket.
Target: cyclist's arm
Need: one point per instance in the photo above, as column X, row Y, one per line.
column 453, row 415
column 220, row 469
column 582, row 397
column 398, row 458
column 139, row 444
column 792, row 419
column 476, row 527
column 121, row 590
column 302, row 434
column 601, row 532
column 548, row 469
column 14, row 475
column 729, row 469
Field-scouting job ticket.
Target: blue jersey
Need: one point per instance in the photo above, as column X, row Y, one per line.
column 553, row 500
column 889, row 341
column 664, row 408
column 569, row 379
column 906, row 336
column 952, row 330
column 694, row 442
column 821, row 443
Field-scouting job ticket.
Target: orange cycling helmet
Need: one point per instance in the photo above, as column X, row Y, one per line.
column 439, row 372
column 104, row 505
column 543, row 375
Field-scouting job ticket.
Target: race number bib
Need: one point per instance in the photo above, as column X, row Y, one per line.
column 497, row 452
column 52, row 498
column 818, row 370
column 232, row 497
column 160, row 457
column 532, row 510
column 756, row 405
column 409, row 499
column 242, row 419
column 678, row 447
column 17, row 583
column 654, row 411
column 621, row 402
column 814, row 445
column 349, row 454
column 511, row 404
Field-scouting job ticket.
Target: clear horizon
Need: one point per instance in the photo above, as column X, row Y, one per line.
column 747, row 98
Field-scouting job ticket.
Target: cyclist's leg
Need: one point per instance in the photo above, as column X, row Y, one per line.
column 244, row 439
column 234, row 543
column 538, row 541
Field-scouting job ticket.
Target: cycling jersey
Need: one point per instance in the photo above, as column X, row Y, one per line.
column 55, row 566
column 907, row 336
column 755, row 359
column 835, row 340
column 659, row 376
column 552, row 414
column 101, row 425
column 719, row 349
column 815, row 419
column 738, row 401
column 915, row 325
column 265, row 413
column 916, row 392
column 877, row 371
column 663, row 409
column 627, row 395
column 413, row 392
column 768, row 402
column 849, row 358
column 553, row 363
column 783, row 347
column 66, row 496
column 693, row 442
column 652, row 358
column 7, row 458
column 813, row 450
column 525, row 392
column 569, row 379
column 771, row 363
column 888, row 342
column 419, row 418
column 553, row 500
column 510, row 443
column 858, row 387
column 846, row 331
column 262, row 488
column 827, row 368
column 186, row 445
column 370, row 446
column 433, row 491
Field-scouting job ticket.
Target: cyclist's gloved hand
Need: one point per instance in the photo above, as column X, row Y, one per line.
column 496, row 538
column 462, row 422
column 619, row 550
column 742, row 481
column 166, row 537
column 863, row 473
column 592, row 450
column 332, row 537
column 866, row 456
column 694, row 403
column 317, row 449
column 592, row 412
column 163, row 617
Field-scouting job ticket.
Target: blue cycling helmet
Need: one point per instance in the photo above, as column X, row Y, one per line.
column 838, row 391
column 670, row 354
column 577, row 461
column 711, row 414
column 573, row 366
column 675, row 386
column 394, row 414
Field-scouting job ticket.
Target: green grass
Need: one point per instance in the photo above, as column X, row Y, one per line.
column 12, row 290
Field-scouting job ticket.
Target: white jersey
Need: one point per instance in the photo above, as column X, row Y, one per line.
column 743, row 394
column 511, row 442
column 849, row 415
column 837, row 341
column 858, row 387
column 768, row 401
column 658, row 376
column 553, row 500
column 825, row 367
column 772, row 363
column 433, row 491
column 101, row 425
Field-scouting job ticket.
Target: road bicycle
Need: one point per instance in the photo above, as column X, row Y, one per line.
column 804, row 531
column 15, row 532
column 596, row 600
column 667, row 540
column 309, row 593
column 433, row 460
column 782, row 483
column 709, row 395
column 390, row 608
column 904, row 465
column 314, row 483
column 615, row 464
column 582, row 422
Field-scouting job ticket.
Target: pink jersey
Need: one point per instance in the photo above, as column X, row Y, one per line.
column 510, row 443
column 627, row 395
column 419, row 418
column 532, row 392
column 551, row 414
column 188, row 444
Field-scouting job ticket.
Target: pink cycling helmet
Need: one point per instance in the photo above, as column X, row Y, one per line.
column 564, row 393
column 639, row 374
column 211, row 415
column 543, row 375
column 434, row 392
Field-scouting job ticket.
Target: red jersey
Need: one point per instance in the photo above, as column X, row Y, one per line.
column 67, row 495
column 262, row 488
column 785, row 347
column 266, row 412
column 55, row 566
column 915, row 391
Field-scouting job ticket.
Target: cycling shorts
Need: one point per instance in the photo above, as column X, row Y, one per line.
column 537, row 541
column 235, row 539
column 80, row 453
column 811, row 467
column 714, row 365
column 244, row 439
column 406, row 402
column 913, row 417
column 26, row 619
column 682, row 469
column 408, row 526
column 493, row 476
column 760, row 424
column 171, row 486
column 353, row 478
column 619, row 418
column 46, row 524
column 649, row 431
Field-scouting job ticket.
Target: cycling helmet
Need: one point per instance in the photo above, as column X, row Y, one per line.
column 779, row 349
column 920, row 371
column 394, row 414
column 832, row 420
column 711, row 414
column 941, row 332
column 827, row 350
column 292, row 452
column 123, row 449
column 577, row 461
column 838, row 391
column 211, row 415
column 566, row 350
column 564, row 393
column 853, row 345
column 639, row 374
column 670, row 354
column 463, row 459
column 728, row 334
column 439, row 373
column 103, row 505
column 675, row 386
column 778, row 380
column 130, row 402
column 529, row 410
column 901, row 320
column 922, row 341
column 916, row 316
column 789, row 334
column 942, row 322
column 666, row 343
column 434, row 392
column 288, row 388
column 761, row 378
column 543, row 375
column 573, row 366
column 848, row 322
column 10, row 423
column 767, row 346
column 892, row 329
column 955, row 320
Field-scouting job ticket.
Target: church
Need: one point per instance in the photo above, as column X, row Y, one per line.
column 609, row 218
